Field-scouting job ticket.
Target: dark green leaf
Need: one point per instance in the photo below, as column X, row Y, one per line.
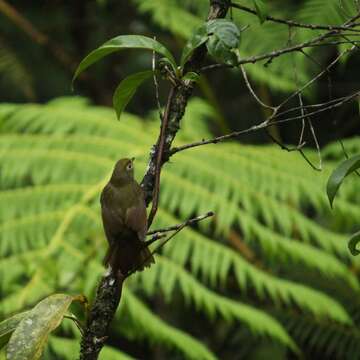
column 200, row 37
column 261, row 10
column 224, row 38
column 8, row 326
column 226, row 31
column 30, row 336
column 120, row 43
column 353, row 241
column 338, row 175
column 220, row 52
column 126, row 90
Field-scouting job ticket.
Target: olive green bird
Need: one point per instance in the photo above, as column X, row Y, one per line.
column 123, row 211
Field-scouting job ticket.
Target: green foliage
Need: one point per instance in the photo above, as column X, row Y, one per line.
column 338, row 175
column 31, row 333
column 183, row 17
column 261, row 9
column 353, row 241
column 336, row 178
column 8, row 326
column 223, row 39
column 262, row 255
column 126, row 90
column 123, row 42
column 67, row 348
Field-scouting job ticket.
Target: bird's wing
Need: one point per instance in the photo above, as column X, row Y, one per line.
column 112, row 218
column 136, row 218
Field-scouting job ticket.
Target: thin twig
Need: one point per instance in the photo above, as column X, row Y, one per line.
column 160, row 151
column 78, row 324
column 263, row 125
column 154, row 238
column 316, row 144
column 177, row 226
column 294, row 23
column 177, row 229
column 276, row 53
column 252, row 92
column 156, row 84
column 320, row 74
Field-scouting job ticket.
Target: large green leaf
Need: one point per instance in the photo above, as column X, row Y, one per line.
column 338, row 175
column 224, row 37
column 225, row 30
column 126, row 90
column 123, row 42
column 31, row 335
column 8, row 326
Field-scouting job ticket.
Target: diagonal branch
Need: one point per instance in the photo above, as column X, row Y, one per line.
column 265, row 124
column 316, row 41
column 109, row 289
column 297, row 24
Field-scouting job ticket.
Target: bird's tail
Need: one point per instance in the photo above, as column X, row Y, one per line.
column 145, row 259
column 128, row 258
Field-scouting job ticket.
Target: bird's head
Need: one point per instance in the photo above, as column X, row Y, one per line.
column 123, row 171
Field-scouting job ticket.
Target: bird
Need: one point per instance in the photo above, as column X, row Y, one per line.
column 123, row 211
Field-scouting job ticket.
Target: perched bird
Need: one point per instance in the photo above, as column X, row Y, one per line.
column 123, row 211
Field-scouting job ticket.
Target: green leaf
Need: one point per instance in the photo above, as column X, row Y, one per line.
column 191, row 75
column 8, row 326
column 224, row 38
column 30, row 336
column 120, row 43
column 200, row 37
column 126, row 90
column 353, row 241
column 338, row 175
column 261, row 10
column 221, row 53
column 226, row 31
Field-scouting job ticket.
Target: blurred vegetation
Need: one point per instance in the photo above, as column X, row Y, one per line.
column 78, row 28
column 261, row 272
column 270, row 277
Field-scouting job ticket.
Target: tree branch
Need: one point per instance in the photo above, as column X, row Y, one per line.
column 316, row 41
column 265, row 124
column 176, row 108
column 109, row 289
column 295, row 23
column 158, row 233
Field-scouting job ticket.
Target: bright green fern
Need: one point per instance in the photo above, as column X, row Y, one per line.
column 261, row 256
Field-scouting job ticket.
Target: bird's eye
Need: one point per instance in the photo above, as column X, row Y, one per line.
column 129, row 166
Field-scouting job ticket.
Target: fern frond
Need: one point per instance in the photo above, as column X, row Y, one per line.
column 265, row 285
column 169, row 273
column 143, row 322
column 334, row 151
column 38, row 199
column 56, row 158
column 325, row 339
column 67, row 348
